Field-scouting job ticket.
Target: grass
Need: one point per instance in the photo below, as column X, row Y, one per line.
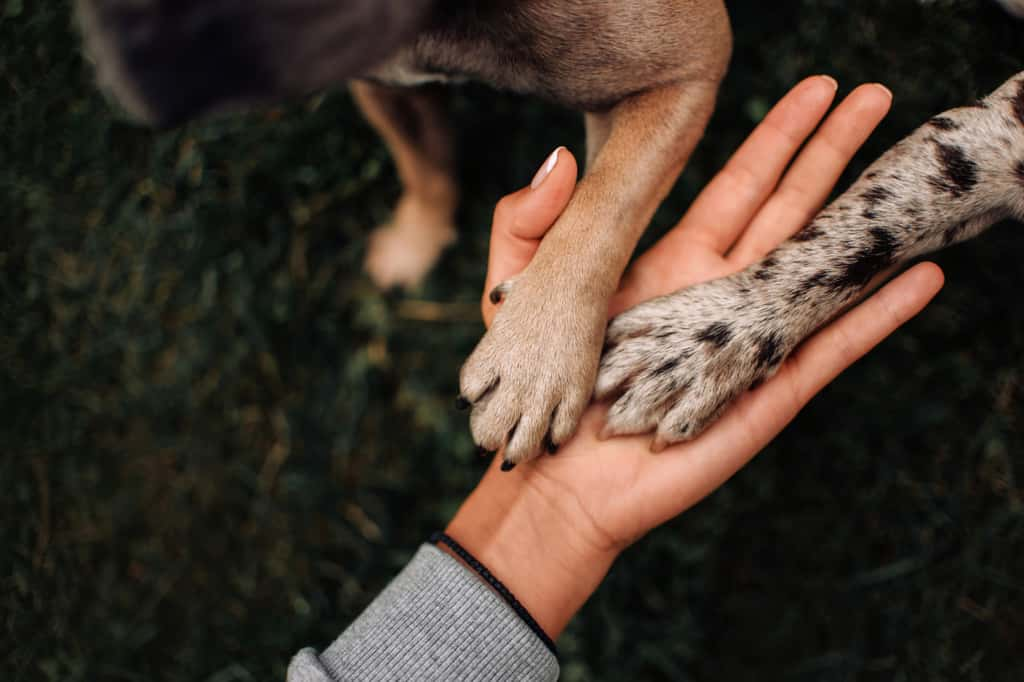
column 219, row 442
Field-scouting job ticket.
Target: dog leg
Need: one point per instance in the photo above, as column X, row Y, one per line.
column 676, row 362
column 598, row 128
column 413, row 126
column 532, row 375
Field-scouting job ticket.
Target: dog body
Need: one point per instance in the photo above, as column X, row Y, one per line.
column 587, row 55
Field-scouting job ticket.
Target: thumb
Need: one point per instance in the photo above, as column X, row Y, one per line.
column 521, row 219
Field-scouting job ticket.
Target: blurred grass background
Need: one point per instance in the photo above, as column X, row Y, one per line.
column 218, row 441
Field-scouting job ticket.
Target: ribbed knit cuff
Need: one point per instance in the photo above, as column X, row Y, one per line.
column 435, row 621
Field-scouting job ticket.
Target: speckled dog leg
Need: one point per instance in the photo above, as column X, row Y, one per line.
column 675, row 363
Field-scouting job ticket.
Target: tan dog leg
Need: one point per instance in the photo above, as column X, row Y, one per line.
column 533, row 373
column 412, row 124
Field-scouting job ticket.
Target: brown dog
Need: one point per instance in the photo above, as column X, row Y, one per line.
column 645, row 74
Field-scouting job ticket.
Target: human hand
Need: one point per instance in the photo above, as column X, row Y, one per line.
column 551, row 528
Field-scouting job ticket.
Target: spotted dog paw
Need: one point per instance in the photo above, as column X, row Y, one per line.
column 673, row 364
column 531, row 377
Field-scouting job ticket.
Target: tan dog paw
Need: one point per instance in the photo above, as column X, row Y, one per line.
column 531, row 377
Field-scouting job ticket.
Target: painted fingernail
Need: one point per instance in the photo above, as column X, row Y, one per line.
column 884, row 89
column 507, row 466
column 831, row 81
column 545, row 170
column 461, row 404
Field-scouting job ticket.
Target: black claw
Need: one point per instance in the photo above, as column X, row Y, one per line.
column 549, row 445
column 461, row 404
column 481, row 451
column 496, row 296
column 507, row 466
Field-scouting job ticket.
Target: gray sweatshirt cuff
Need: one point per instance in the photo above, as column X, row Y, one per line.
column 435, row 621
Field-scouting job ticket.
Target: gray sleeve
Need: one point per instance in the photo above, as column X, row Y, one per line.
column 435, row 621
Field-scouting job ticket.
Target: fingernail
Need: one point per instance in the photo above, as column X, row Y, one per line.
column 832, row 81
column 884, row 89
column 545, row 170
column 507, row 466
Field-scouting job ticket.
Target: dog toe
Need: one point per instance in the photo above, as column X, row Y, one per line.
column 492, row 422
column 566, row 417
column 477, row 380
column 527, row 439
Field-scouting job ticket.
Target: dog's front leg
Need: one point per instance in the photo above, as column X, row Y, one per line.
column 532, row 375
column 674, row 363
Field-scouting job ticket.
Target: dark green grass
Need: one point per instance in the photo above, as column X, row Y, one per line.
column 218, row 442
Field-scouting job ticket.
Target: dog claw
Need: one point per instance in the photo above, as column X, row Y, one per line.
column 499, row 292
column 507, row 466
column 462, row 404
column 550, row 446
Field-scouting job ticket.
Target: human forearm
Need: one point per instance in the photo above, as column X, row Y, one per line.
column 537, row 541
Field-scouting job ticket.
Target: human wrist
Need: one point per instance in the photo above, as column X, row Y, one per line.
column 533, row 544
